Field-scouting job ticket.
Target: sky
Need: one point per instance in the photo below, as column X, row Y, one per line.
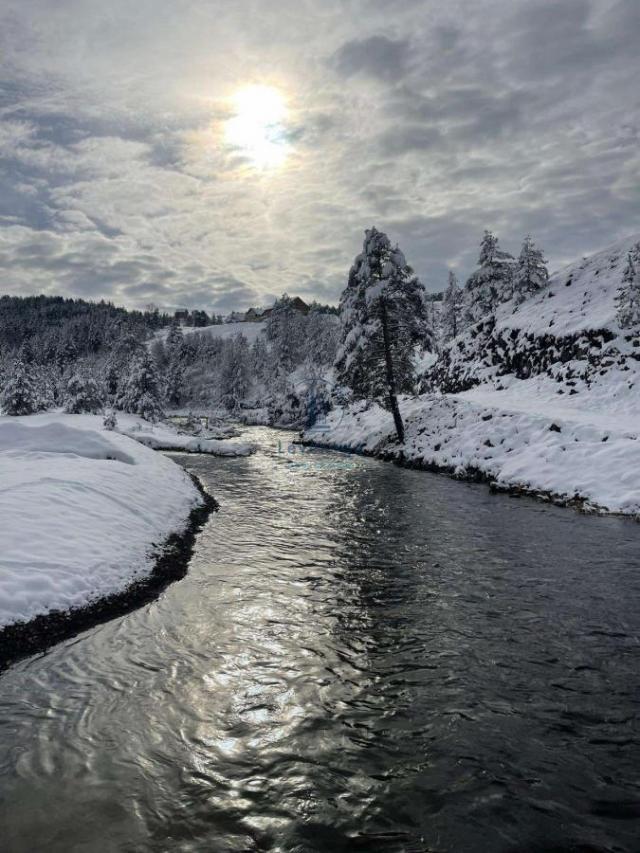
column 214, row 154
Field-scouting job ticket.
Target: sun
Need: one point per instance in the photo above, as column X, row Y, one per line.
column 257, row 127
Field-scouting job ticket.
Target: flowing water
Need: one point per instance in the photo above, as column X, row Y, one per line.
column 361, row 657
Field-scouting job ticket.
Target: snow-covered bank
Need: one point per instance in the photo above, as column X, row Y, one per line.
column 593, row 466
column 163, row 436
column 84, row 513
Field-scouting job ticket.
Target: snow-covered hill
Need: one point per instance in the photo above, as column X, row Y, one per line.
column 543, row 398
column 567, row 332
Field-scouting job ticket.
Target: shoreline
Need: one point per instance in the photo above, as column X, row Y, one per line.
column 22, row 639
column 472, row 474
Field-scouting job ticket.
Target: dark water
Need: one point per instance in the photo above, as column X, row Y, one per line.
column 361, row 658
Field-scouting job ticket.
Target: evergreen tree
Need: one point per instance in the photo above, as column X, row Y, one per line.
column 452, row 305
column 141, row 395
column 175, row 358
column 628, row 296
column 235, row 376
column 384, row 321
column 110, row 421
column 491, row 283
column 19, row 396
column 284, row 329
column 321, row 337
column 531, row 273
column 82, row 395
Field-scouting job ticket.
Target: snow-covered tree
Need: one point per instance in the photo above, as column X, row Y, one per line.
column 384, row 320
column 19, row 395
column 235, row 374
column 321, row 337
column 110, row 420
column 285, row 331
column 117, row 367
column 531, row 273
column 491, row 283
column 628, row 296
column 259, row 358
column 175, row 366
column 452, row 305
column 141, row 393
column 82, row 395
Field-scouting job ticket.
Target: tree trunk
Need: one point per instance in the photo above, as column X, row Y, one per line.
column 391, row 382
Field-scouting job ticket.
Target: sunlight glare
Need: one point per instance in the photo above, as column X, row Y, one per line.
column 257, row 127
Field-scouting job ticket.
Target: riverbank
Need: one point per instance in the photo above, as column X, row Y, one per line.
column 591, row 466
column 94, row 523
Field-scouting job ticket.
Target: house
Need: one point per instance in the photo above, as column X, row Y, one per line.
column 300, row 305
column 257, row 315
column 254, row 315
column 181, row 316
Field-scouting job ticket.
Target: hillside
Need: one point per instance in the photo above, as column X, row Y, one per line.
column 567, row 333
column 543, row 398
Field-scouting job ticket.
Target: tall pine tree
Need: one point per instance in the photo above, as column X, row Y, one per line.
column 628, row 296
column 452, row 305
column 491, row 283
column 384, row 321
column 531, row 273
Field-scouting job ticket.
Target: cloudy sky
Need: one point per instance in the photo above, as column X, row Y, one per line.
column 140, row 163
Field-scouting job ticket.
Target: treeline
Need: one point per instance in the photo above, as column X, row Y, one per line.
column 176, row 369
column 52, row 329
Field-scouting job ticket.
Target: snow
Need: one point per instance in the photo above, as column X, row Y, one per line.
column 163, row 436
column 581, row 296
column 251, row 331
column 83, row 510
column 570, row 430
column 538, row 452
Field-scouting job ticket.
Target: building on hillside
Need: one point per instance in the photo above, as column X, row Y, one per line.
column 181, row 316
column 257, row 315
column 254, row 315
column 300, row 305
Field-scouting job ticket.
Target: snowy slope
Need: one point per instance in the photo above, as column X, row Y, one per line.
column 568, row 332
column 82, row 511
column 580, row 296
column 251, row 331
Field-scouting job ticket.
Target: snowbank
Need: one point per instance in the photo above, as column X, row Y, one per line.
column 82, row 512
column 595, row 466
column 163, row 436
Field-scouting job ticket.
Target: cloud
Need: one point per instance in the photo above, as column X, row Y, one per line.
column 377, row 56
column 430, row 120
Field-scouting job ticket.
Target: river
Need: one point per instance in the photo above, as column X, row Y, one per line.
column 361, row 657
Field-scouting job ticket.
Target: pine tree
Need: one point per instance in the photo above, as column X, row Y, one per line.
column 284, row 330
column 110, row 421
column 141, row 395
column 452, row 305
column 82, row 395
column 531, row 273
column 235, row 376
column 19, row 396
column 321, row 337
column 491, row 283
column 628, row 296
column 174, row 374
column 384, row 320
